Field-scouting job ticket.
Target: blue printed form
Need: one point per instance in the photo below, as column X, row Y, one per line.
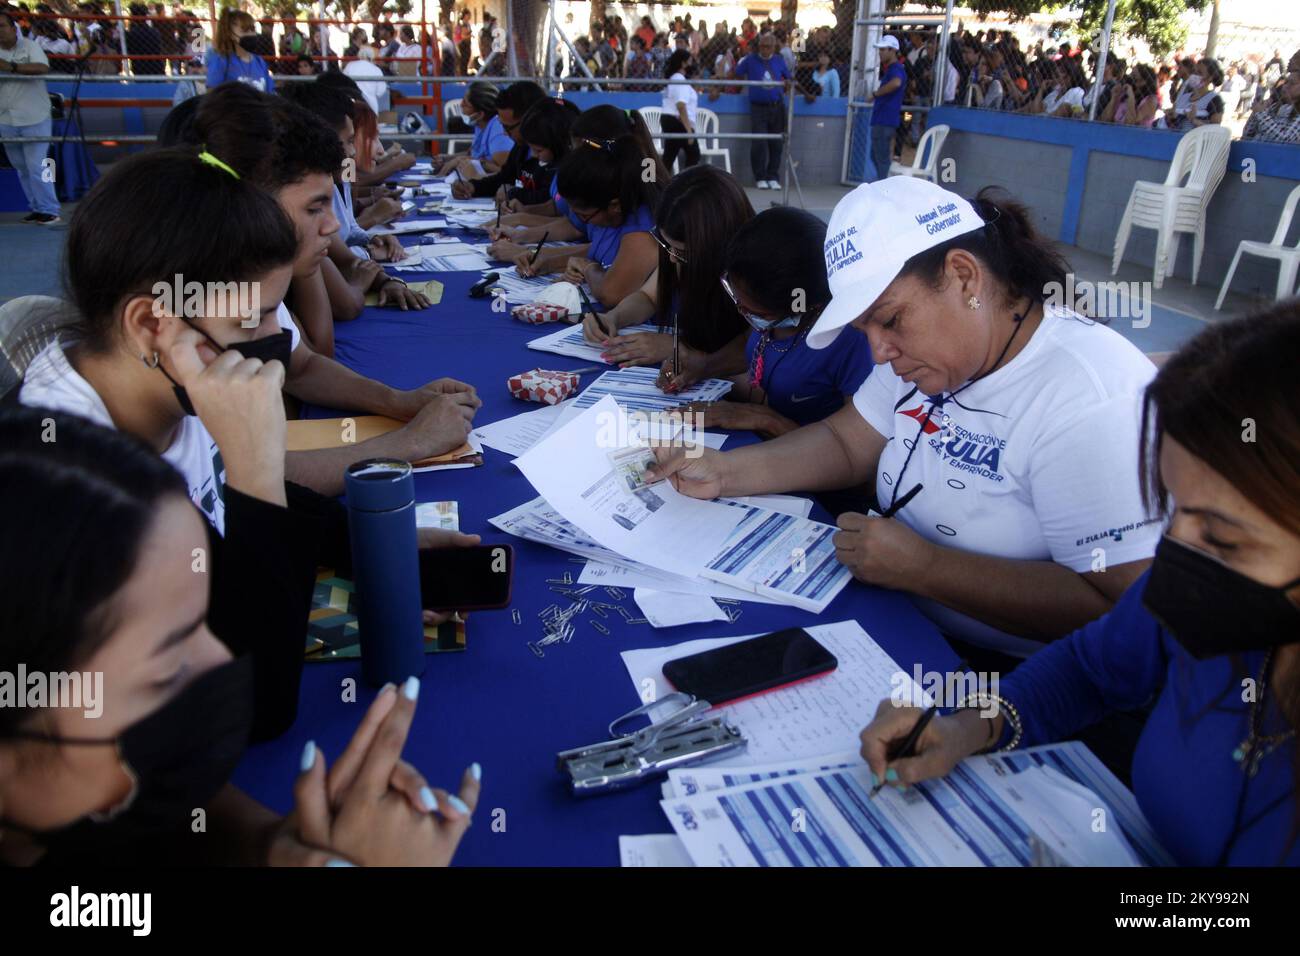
column 1034, row 807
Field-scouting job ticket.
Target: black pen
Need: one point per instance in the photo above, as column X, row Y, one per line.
column 898, row 505
column 498, row 217
column 586, row 307
column 908, row 746
column 540, row 242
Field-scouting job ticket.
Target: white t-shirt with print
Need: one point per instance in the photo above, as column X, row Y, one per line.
column 52, row 382
column 1036, row 462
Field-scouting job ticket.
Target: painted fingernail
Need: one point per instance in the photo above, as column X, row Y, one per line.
column 308, row 756
column 891, row 775
column 337, row 862
column 411, row 689
column 387, row 687
column 875, row 781
column 459, row 804
column 428, row 799
column 476, row 771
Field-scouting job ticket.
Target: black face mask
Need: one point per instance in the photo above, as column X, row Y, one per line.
column 277, row 347
column 249, row 42
column 179, row 757
column 1213, row 610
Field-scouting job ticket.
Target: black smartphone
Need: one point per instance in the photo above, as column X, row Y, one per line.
column 480, row 288
column 467, row 579
column 751, row 667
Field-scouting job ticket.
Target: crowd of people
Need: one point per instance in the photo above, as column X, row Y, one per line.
column 989, row 69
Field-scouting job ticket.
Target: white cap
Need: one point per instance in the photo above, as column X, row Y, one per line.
column 873, row 231
column 887, row 42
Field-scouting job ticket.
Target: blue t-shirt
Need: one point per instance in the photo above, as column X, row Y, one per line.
column 1190, row 789
column 806, row 384
column 224, row 69
column 888, row 109
column 562, row 206
column 349, row 230
column 606, row 240
column 492, row 138
column 753, row 67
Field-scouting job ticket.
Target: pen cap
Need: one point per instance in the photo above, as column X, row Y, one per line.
column 379, row 484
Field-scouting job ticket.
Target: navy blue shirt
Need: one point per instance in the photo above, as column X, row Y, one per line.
column 888, row 110
column 1184, row 776
column 806, row 384
column 752, row 67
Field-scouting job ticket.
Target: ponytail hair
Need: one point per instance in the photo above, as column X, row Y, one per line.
column 1024, row 263
column 611, row 122
column 597, row 172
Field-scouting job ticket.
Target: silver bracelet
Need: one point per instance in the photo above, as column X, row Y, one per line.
column 981, row 701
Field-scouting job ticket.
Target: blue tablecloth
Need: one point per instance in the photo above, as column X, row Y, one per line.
column 497, row 702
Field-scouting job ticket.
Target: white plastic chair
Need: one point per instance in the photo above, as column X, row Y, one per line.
column 924, row 166
column 27, row 324
column 708, row 125
column 652, row 115
column 1172, row 209
column 1288, row 257
column 449, row 110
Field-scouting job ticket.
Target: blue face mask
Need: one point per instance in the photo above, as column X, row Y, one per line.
column 766, row 325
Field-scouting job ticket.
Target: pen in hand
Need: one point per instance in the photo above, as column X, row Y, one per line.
column 908, row 747
column 540, row 242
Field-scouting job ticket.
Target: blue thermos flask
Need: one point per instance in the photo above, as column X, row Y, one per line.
column 386, row 569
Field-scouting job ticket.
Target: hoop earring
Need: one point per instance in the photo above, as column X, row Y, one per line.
column 146, row 361
column 973, row 302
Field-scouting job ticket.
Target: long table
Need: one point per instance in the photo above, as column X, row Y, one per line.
column 498, row 703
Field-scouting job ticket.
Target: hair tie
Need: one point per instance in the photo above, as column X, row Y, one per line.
column 211, row 160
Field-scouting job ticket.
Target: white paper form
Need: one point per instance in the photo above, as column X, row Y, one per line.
column 818, row 716
column 652, row 849
column 623, row 576
column 569, row 341
column 979, row 815
column 782, row 556
column 517, row 434
column 673, row 609
column 655, row 525
column 405, row 226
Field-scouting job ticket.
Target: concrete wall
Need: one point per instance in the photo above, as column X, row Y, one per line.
column 1077, row 177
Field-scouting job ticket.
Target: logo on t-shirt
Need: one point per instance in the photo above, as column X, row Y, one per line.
column 976, row 453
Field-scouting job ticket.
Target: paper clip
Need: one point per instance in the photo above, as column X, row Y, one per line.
column 615, row 593
column 514, row 615
column 600, row 627
column 598, row 609
column 637, row 620
column 536, row 650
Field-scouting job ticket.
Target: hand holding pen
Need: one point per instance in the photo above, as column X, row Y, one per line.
column 884, row 551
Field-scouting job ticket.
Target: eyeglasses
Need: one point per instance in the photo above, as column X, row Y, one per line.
column 755, row 320
column 676, row 255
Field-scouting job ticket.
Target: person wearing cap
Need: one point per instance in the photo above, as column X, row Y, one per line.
column 886, row 105
column 1002, row 436
column 766, row 109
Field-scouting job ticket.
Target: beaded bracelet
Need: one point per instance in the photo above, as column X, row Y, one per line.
column 981, row 702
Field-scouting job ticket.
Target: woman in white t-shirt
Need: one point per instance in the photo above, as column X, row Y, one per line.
column 1002, row 438
column 1060, row 91
column 680, row 106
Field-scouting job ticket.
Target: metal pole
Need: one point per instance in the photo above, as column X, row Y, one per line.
column 323, row 35
column 785, row 145
column 1101, row 60
column 548, row 69
column 121, row 35
column 941, row 63
column 512, row 59
column 572, row 52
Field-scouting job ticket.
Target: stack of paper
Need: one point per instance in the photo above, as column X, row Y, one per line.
column 779, row 556
column 520, row 290
column 404, row 226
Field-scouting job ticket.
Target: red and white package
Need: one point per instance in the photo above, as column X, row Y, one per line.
column 539, row 313
column 543, row 385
